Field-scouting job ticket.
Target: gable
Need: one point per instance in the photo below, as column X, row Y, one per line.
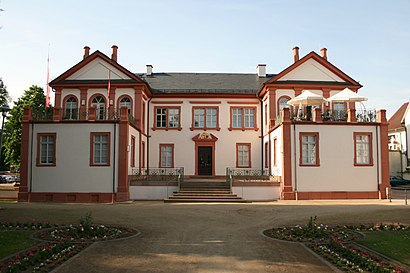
column 98, row 69
column 311, row 70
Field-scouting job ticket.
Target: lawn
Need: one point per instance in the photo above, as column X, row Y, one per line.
column 12, row 241
column 393, row 244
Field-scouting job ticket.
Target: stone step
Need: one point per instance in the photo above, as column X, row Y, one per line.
column 204, row 194
column 204, row 185
column 205, row 189
column 187, row 200
column 203, row 197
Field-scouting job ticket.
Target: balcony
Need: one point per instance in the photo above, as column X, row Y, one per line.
column 82, row 114
column 317, row 115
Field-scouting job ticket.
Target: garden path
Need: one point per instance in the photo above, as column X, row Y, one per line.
column 203, row 238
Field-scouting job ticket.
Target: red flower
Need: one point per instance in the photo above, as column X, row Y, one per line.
column 52, row 265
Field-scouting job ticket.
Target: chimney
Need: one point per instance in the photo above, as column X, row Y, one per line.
column 86, row 52
column 114, row 53
column 149, row 69
column 323, row 52
column 295, row 54
column 261, row 70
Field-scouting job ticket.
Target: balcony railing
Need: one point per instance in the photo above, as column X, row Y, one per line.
column 246, row 174
column 366, row 115
column 50, row 114
column 157, row 174
column 43, row 115
column 306, row 114
column 84, row 114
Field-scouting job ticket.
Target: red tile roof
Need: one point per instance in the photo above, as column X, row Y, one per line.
column 396, row 119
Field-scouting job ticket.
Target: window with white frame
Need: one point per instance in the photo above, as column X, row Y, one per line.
column 46, row 149
column 167, row 118
column 173, row 117
column 100, row 146
column 236, row 117
column 126, row 102
column 243, row 155
column 70, row 111
column 166, row 156
column 363, row 155
column 243, row 118
column 283, row 103
column 99, row 103
column 205, row 117
column 309, row 149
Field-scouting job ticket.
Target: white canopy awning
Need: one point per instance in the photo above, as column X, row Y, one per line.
column 347, row 95
column 307, row 98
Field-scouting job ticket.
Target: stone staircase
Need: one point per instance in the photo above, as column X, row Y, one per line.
column 204, row 190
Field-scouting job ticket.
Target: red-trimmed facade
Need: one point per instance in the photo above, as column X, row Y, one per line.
column 135, row 140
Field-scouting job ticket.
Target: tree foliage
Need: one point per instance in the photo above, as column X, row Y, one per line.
column 33, row 98
column 4, row 95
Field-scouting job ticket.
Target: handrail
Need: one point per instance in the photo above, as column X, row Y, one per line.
column 247, row 174
column 157, row 174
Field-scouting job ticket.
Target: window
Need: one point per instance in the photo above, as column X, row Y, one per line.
column 282, row 103
column 70, row 108
column 309, row 149
column 243, row 155
column 99, row 103
column 266, row 115
column 46, row 149
column 243, row 118
column 143, row 154
column 125, row 102
column 143, row 117
column 363, row 149
column 339, row 110
column 267, row 155
column 167, row 118
column 132, row 148
column 205, row 118
column 166, row 155
column 100, row 149
column 275, row 140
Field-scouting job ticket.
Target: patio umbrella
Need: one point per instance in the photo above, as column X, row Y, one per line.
column 347, row 95
column 307, row 98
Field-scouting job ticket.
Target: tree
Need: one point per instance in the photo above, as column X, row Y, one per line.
column 4, row 95
column 33, row 98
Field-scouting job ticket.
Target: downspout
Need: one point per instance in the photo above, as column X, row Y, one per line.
column 294, row 160
column 377, row 159
column 114, row 160
column 262, row 144
column 148, row 136
column 31, row 160
column 407, row 145
column 401, row 155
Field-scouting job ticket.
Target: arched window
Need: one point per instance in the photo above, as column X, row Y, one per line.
column 282, row 103
column 125, row 102
column 70, row 109
column 99, row 103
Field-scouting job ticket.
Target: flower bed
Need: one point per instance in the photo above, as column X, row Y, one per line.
column 63, row 243
column 336, row 244
column 79, row 233
column 42, row 258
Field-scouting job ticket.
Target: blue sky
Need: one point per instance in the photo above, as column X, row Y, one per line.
column 368, row 40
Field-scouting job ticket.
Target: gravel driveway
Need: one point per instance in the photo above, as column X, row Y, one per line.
column 204, row 237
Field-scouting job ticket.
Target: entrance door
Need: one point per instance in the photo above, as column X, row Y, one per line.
column 204, row 160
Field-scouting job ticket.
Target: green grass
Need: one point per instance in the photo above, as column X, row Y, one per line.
column 393, row 244
column 12, row 241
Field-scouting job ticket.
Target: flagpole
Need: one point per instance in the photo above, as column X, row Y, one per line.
column 48, row 79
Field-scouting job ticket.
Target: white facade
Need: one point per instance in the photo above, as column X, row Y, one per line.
column 251, row 132
column 72, row 171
